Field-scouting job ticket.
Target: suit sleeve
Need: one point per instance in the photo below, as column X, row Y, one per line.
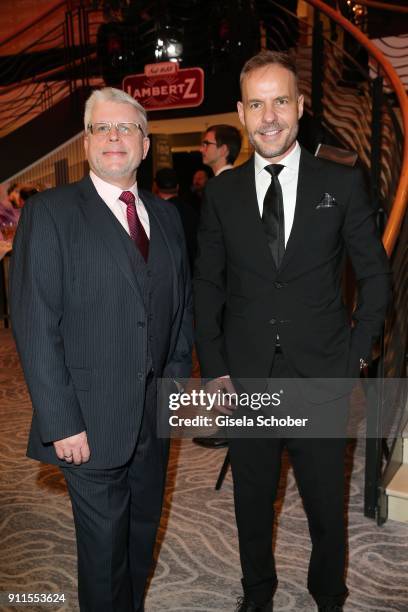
column 37, row 312
column 210, row 292
column 371, row 269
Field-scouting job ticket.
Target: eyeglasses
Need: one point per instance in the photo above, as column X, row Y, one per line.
column 206, row 143
column 124, row 129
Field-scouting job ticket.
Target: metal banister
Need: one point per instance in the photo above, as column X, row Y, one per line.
column 32, row 22
column 382, row 6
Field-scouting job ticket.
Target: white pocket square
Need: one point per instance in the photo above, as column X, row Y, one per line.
column 327, row 201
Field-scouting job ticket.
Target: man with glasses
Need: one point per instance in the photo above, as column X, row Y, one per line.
column 100, row 302
column 220, row 147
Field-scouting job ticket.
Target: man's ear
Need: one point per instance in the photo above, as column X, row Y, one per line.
column 146, row 146
column 86, row 142
column 240, row 108
column 300, row 103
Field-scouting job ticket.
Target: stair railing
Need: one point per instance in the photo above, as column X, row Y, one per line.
column 48, row 68
column 384, row 71
column 16, row 38
column 384, row 6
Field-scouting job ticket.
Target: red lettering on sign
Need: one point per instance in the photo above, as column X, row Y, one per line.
column 157, row 89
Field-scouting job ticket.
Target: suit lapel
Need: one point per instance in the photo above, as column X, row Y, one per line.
column 307, row 195
column 104, row 223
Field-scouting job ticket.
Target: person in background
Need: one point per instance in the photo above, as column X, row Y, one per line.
column 167, row 184
column 10, row 207
column 101, row 307
column 167, row 188
column 198, row 183
column 220, row 147
column 26, row 192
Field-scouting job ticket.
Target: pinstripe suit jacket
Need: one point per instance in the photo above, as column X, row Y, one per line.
column 82, row 326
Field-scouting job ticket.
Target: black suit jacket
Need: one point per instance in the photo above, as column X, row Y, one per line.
column 242, row 301
column 81, row 324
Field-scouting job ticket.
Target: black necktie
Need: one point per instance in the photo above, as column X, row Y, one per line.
column 273, row 218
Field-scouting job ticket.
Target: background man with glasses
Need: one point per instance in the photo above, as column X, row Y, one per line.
column 100, row 301
column 220, row 147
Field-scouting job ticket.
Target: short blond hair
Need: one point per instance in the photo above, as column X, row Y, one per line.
column 269, row 58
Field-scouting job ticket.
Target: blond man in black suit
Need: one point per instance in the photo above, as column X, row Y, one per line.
column 268, row 304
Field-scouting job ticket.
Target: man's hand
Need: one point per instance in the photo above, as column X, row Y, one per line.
column 73, row 449
column 221, row 385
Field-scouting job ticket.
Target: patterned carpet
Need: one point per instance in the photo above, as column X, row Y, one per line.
column 198, row 567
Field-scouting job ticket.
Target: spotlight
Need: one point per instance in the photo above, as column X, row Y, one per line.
column 168, row 45
column 174, row 49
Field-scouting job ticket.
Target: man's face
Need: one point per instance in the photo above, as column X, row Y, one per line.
column 270, row 110
column 115, row 157
column 200, row 179
column 211, row 153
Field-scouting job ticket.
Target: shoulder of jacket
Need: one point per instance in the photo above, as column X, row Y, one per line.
column 332, row 168
column 229, row 177
column 61, row 198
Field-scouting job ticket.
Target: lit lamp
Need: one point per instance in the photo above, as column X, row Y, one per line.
column 168, row 46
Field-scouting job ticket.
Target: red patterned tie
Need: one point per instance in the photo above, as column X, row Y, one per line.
column 136, row 229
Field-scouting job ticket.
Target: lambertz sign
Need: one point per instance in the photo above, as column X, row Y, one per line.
column 165, row 85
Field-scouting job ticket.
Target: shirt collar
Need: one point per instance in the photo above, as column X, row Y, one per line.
column 226, row 167
column 108, row 192
column 290, row 161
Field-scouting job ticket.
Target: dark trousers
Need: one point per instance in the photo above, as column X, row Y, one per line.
column 318, row 465
column 117, row 514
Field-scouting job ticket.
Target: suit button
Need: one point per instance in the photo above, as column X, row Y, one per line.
column 272, row 321
column 140, row 375
column 149, row 273
column 279, row 285
column 140, row 323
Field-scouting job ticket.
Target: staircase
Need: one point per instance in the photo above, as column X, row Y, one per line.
column 48, row 131
column 37, row 73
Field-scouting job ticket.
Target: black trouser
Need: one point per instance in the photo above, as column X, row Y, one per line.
column 117, row 513
column 318, row 465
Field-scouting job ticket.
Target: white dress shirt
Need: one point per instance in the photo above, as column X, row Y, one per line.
column 288, row 179
column 110, row 195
